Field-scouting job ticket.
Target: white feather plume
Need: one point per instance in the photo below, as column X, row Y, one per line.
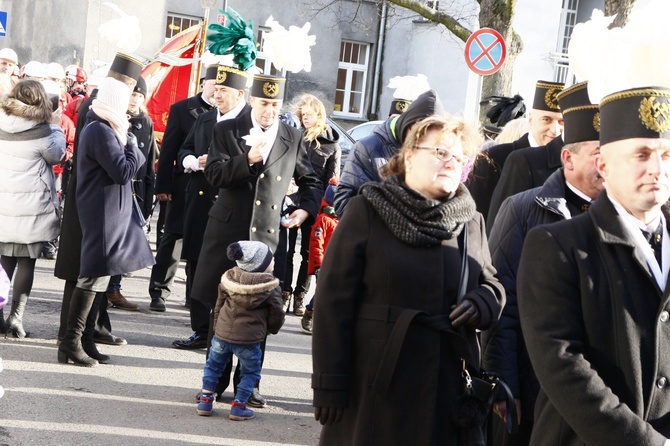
column 637, row 55
column 408, row 87
column 288, row 49
column 123, row 32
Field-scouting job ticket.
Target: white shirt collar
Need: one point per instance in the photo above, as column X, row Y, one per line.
column 232, row 113
column 577, row 192
column 634, row 227
column 532, row 141
column 270, row 134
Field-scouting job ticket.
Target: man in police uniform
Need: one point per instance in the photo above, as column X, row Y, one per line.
column 230, row 85
column 253, row 175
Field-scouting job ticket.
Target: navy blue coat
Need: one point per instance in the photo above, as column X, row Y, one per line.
column 363, row 163
column 113, row 242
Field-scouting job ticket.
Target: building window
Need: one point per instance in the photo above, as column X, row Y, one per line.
column 568, row 22
column 352, row 74
column 177, row 23
column 262, row 61
column 433, row 5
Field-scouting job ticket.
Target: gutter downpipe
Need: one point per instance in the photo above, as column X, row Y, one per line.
column 378, row 62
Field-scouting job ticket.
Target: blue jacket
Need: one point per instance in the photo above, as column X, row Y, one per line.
column 363, row 163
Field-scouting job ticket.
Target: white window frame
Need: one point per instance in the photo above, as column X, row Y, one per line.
column 350, row 68
column 182, row 17
column 568, row 22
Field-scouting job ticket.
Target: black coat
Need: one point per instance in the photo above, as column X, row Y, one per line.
column 142, row 127
column 367, row 279
column 485, row 173
column 503, row 347
column 250, row 197
column 525, row 169
column 325, row 159
column 113, row 241
column 200, row 195
column 596, row 327
column 69, row 248
column 170, row 177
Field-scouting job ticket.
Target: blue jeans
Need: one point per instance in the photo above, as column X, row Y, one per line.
column 114, row 284
column 249, row 358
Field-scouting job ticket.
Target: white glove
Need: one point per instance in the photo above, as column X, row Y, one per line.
column 191, row 164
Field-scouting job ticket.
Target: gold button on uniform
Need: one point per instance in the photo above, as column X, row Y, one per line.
column 271, row 231
column 201, row 193
column 253, row 229
column 261, row 175
column 258, row 202
column 274, row 206
column 278, row 178
column 216, row 197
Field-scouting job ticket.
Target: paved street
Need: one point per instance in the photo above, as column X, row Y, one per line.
column 146, row 395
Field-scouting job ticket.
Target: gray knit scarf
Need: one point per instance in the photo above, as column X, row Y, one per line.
column 415, row 219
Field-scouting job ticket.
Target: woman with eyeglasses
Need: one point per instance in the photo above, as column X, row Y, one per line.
column 386, row 367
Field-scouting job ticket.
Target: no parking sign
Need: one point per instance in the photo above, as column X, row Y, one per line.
column 485, row 51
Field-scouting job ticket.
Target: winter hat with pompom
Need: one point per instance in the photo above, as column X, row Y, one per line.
column 250, row 256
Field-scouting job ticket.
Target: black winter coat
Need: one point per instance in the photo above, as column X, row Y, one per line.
column 525, row 169
column 325, row 159
column 367, row 280
column 170, row 177
column 363, row 163
column 485, row 173
column 69, row 248
column 503, row 347
column 200, row 195
column 142, row 127
column 250, row 197
column 596, row 327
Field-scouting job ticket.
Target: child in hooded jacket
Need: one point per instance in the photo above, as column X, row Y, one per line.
column 248, row 307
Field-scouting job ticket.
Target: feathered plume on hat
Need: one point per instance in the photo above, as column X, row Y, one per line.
column 124, row 32
column 409, row 87
column 622, row 58
column 504, row 109
column 236, row 38
column 288, row 49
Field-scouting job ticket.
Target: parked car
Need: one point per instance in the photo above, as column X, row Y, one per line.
column 346, row 141
column 363, row 130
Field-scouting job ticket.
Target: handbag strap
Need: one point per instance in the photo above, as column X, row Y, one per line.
column 465, row 269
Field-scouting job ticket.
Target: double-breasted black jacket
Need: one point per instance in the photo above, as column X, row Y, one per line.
column 250, row 196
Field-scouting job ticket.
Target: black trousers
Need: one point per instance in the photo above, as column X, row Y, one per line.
column 165, row 268
column 198, row 310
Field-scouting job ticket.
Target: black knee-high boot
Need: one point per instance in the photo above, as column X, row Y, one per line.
column 87, row 341
column 68, row 289
column 70, row 348
column 3, row 327
column 15, row 319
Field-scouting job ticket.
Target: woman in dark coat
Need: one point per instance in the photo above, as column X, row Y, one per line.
column 323, row 150
column 112, row 239
column 142, row 127
column 381, row 374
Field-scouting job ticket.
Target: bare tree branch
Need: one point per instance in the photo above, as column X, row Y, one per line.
column 445, row 19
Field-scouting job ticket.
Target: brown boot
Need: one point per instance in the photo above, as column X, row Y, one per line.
column 286, row 298
column 298, row 307
column 118, row 301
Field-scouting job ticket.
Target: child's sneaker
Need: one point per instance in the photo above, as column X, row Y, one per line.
column 239, row 412
column 307, row 322
column 205, row 405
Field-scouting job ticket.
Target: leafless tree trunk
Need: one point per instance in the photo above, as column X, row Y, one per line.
column 619, row 7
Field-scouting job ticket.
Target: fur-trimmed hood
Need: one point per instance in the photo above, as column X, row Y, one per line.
column 16, row 116
column 249, row 290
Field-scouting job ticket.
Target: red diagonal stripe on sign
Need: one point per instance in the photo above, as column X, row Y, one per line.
column 485, row 51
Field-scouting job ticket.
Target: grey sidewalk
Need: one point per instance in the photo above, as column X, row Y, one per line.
column 146, row 395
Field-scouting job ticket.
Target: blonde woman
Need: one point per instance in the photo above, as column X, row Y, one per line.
column 323, row 150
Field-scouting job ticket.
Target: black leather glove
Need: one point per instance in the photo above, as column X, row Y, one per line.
column 465, row 313
column 328, row 415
